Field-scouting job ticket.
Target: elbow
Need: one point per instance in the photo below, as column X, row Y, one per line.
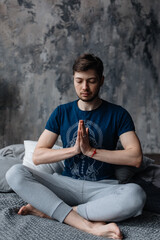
column 138, row 161
column 35, row 159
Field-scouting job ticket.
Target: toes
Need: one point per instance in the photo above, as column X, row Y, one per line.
column 115, row 236
column 22, row 211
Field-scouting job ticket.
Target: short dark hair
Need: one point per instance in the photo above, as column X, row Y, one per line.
column 88, row 61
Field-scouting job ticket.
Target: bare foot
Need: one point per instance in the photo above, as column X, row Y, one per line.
column 110, row 230
column 95, row 223
column 30, row 210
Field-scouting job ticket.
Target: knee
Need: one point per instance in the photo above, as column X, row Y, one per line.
column 136, row 198
column 14, row 175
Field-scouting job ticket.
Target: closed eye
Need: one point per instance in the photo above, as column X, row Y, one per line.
column 92, row 80
column 79, row 80
column 89, row 80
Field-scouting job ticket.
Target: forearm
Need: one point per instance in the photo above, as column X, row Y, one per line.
column 47, row 155
column 130, row 157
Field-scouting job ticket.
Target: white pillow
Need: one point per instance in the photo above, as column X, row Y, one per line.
column 48, row 168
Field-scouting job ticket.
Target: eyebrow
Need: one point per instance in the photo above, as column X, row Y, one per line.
column 87, row 78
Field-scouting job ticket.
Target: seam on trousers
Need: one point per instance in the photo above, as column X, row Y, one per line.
column 83, row 191
column 85, row 204
column 86, row 209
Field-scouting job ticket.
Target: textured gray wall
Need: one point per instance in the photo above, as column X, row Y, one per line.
column 39, row 40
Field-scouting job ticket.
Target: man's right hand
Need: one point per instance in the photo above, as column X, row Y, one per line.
column 77, row 144
column 82, row 142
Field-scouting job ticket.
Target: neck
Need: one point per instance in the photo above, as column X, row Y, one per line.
column 89, row 106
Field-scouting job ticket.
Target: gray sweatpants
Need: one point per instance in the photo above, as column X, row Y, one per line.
column 55, row 195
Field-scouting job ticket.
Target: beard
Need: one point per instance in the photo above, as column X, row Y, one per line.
column 89, row 99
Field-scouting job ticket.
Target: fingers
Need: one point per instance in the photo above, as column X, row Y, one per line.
column 77, row 143
column 87, row 131
column 82, row 128
column 83, row 137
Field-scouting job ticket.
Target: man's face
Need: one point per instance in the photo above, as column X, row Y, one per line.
column 87, row 85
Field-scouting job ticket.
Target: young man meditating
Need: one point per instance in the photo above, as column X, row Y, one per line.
column 86, row 195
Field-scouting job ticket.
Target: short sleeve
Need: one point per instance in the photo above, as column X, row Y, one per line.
column 53, row 123
column 125, row 122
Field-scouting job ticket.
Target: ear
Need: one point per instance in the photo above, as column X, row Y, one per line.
column 102, row 81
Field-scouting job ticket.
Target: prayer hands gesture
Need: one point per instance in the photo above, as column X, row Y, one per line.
column 82, row 144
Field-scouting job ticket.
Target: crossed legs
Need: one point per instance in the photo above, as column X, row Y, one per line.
column 32, row 186
column 73, row 219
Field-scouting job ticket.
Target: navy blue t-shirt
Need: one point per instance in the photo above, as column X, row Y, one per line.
column 106, row 124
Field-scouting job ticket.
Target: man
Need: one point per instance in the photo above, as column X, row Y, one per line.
column 86, row 195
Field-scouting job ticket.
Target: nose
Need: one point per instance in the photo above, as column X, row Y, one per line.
column 85, row 85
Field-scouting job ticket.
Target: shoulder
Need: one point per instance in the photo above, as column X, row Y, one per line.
column 67, row 105
column 117, row 112
column 64, row 106
column 113, row 107
column 58, row 115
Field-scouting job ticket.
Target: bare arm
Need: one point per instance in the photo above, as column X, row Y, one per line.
column 131, row 155
column 45, row 154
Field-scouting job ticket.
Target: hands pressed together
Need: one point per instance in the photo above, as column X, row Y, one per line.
column 82, row 144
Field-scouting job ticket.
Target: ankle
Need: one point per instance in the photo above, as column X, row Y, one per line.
column 89, row 225
column 75, row 208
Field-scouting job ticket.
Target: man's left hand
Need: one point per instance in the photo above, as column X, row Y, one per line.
column 84, row 139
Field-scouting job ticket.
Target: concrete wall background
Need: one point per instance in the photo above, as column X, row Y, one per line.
column 39, row 39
